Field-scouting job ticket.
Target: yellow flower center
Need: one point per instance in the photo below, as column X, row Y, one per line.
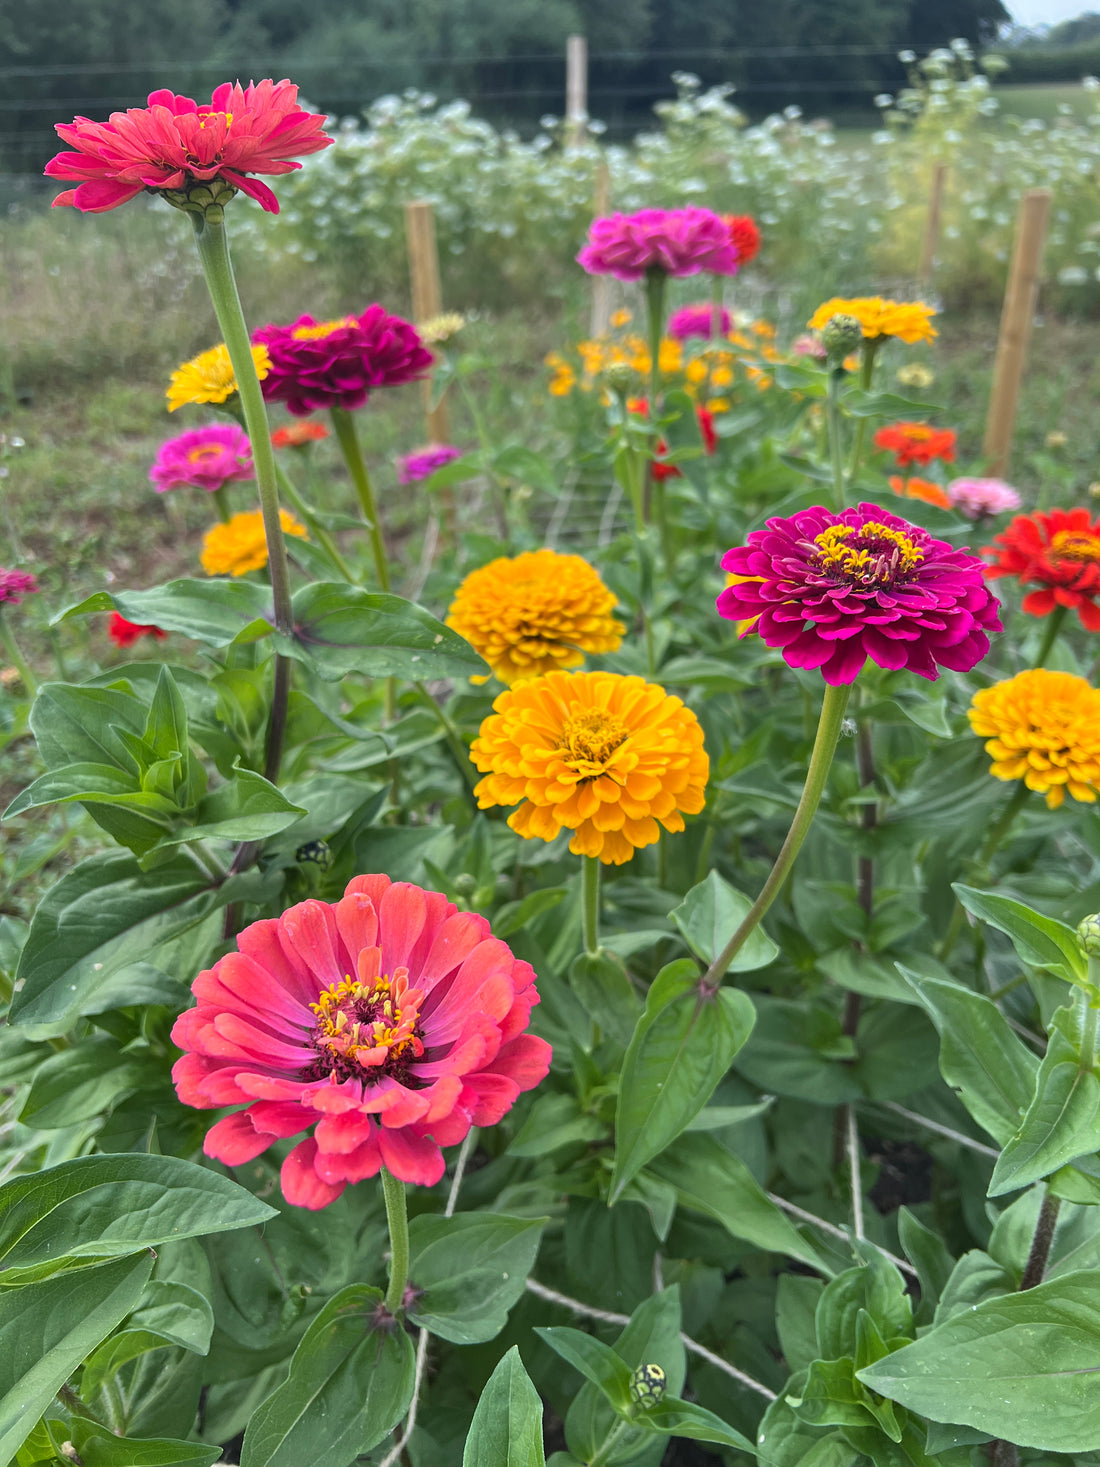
column 321, row 329
column 1076, row 545
column 590, row 738
column 207, row 119
column 367, row 1030
column 868, row 555
column 205, row 451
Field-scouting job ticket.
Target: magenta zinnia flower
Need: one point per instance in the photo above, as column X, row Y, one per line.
column 14, row 585
column 390, row 1020
column 698, row 320
column 174, row 144
column 834, row 589
column 424, row 462
column 677, row 241
column 976, row 498
column 327, row 364
column 204, row 458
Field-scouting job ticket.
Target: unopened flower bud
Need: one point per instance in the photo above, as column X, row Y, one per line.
column 647, row 1386
column 620, row 377
column 1088, row 934
column 841, row 334
column 314, row 853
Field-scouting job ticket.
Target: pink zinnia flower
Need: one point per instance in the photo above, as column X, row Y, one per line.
column 832, row 590
column 677, row 241
column 808, row 345
column 327, row 364
column 976, row 498
column 204, row 458
column 15, row 584
column 698, row 320
column 389, row 1020
column 125, row 633
column 424, row 462
column 174, row 144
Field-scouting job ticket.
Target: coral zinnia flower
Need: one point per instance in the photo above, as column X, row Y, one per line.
column 535, row 612
column 424, row 462
column 698, row 320
column 125, row 633
column 916, row 443
column 1044, row 728
column 1060, row 550
column 914, row 488
column 389, row 1019
column 14, row 585
column 298, row 435
column 605, row 756
column 327, row 364
column 239, row 546
column 205, row 458
column 209, row 377
column 977, row 498
column 832, row 590
column 909, row 321
column 676, row 241
column 174, row 144
column 744, row 235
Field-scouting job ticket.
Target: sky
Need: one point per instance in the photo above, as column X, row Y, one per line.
column 1047, row 12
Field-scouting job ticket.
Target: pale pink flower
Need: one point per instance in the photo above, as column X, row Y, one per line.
column 977, row 498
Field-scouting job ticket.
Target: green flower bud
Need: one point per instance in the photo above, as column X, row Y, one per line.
column 1088, row 935
column 841, row 335
column 647, row 1386
column 620, row 377
column 314, row 853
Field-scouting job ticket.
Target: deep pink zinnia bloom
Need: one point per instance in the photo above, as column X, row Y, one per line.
column 327, row 364
column 389, row 1020
column 976, row 498
column 424, row 462
column 203, row 458
column 174, row 144
column 14, row 585
column 677, row 241
column 832, row 590
column 698, row 320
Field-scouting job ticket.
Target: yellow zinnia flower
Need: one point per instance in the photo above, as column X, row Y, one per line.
column 441, row 328
column 535, row 612
column 1044, row 728
column 209, row 377
column 909, row 321
column 239, row 546
column 610, row 758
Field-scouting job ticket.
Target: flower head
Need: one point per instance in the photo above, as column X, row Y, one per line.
column 125, row 633
column 809, row 345
column 240, row 546
column 675, row 241
column 437, row 329
column 608, row 757
column 909, row 321
column 14, row 585
column 916, row 443
column 977, row 498
column 1059, row 551
column 914, row 488
column 174, row 144
column 1044, row 728
column 209, row 377
column 204, row 458
column 389, row 1021
column 832, row 590
column 424, row 462
column 699, row 320
column 535, row 612
column 744, row 236
column 915, row 374
column 298, row 435
column 327, row 364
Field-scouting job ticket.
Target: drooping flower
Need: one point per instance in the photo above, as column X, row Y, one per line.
column 174, row 144
column 338, row 363
column 298, row 435
column 610, row 758
column 389, row 1021
column 914, row 488
column 916, row 443
column 744, row 236
column 699, row 320
column 14, row 585
column 909, row 321
column 978, row 498
column 204, row 458
column 531, row 613
column 675, row 241
column 239, row 546
column 209, row 377
column 831, row 590
column 1057, row 550
column 423, row 463
column 125, row 633
column 1044, row 728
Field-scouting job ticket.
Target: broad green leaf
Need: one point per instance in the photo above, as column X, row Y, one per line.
column 709, row 916
column 98, row 1447
column 350, row 1383
column 673, row 1417
column 782, row 1440
column 82, row 725
column 73, row 782
column 213, row 611
column 171, row 1313
column 796, row 1301
column 341, row 629
column 928, row 1254
column 682, row 1047
column 605, row 993
column 246, row 807
column 472, row 1268
column 875, row 1286
column 1042, row 942
column 596, row 1361
column 506, row 1430
column 555, row 1121
column 82, row 1081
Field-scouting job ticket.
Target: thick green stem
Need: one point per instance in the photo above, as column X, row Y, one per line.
column 451, row 734
column 1050, row 634
column 867, row 371
column 221, row 501
column 607, row 1447
column 348, row 438
column 655, row 288
column 315, row 527
column 397, row 1218
column 590, row 894
column 836, row 450
column 821, row 758
column 16, row 658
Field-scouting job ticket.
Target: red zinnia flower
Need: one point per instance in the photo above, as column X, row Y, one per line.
column 327, row 364
column 391, row 1020
column 174, row 144
column 1060, row 551
column 744, row 236
column 916, row 443
column 125, row 633
column 298, row 435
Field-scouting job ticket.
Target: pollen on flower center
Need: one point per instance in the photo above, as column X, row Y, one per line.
column 591, row 737
column 320, row 329
column 870, row 554
column 367, row 1030
column 205, row 118
column 1075, row 545
column 205, row 451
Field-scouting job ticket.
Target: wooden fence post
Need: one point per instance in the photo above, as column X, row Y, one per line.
column 427, row 296
column 576, row 90
column 1016, row 321
column 601, row 284
column 932, row 223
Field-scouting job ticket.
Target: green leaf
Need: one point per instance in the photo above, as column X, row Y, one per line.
column 1041, row 942
column 605, row 993
column 875, row 1286
column 350, row 1383
column 709, row 916
column 673, row 1417
column 518, row 462
column 247, row 807
column 83, row 725
column 214, row 611
column 472, row 1268
column 796, row 1301
column 73, row 782
column 507, row 1427
column 340, row 629
column 555, row 1121
column 596, row 1361
column 98, row 1447
column 683, row 1045
column 82, row 1081
column 1022, row 1367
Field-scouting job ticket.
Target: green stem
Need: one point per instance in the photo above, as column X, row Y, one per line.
column 316, row 528
column 348, row 438
column 821, row 758
column 988, row 851
column 866, row 373
column 16, row 658
column 1050, row 634
column 609, row 1443
column 590, row 902
column 451, row 734
column 397, row 1218
column 836, row 450
column 221, row 499
column 656, row 283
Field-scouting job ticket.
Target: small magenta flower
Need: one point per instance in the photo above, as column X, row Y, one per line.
column 978, row 498
column 337, row 364
column 203, row 458
column 424, row 462
column 14, row 585
column 675, row 241
column 698, row 320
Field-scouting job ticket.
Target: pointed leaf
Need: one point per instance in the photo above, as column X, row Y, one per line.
column 709, row 916
column 340, row 629
column 507, row 1427
column 472, row 1268
column 1042, row 942
column 214, row 611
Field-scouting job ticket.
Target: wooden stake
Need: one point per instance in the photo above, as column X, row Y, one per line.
column 576, row 90
column 932, row 223
column 601, row 284
column 427, row 296
column 1016, row 321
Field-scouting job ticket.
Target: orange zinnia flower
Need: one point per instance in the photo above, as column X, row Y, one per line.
column 915, row 488
column 916, row 443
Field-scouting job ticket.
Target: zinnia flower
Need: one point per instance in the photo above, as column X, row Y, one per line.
column 125, row 633
column 440, row 328
column 976, row 498
column 916, row 443
column 676, row 241
column 424, row 462
column 239, row 546
column 204, row 458
column 831, row 590
column 14, row 585
column 1058, row 550
column 915, row 374
column 698, row 320
column 808, row 345
column 298, row 435
column 174, row 144
column 705, row 418
column 914, row 488
column 336, row 364
column 209, row 377
column 607, row 757
column 535, row 612
column 1044, row 728
column 909, row 321
column 388, row 1020
column 744, row 236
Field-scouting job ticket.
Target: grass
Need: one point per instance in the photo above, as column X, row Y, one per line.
column 1046, row 100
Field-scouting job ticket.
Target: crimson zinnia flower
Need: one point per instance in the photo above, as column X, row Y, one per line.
column 15, row 584
column 1059, row 550
column 389, row 1020
column 337, row 364
column 832, row 590
column 125, row 633
column 744, row 235
column 174, row 144
column 916, row 443
column 676, row 241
